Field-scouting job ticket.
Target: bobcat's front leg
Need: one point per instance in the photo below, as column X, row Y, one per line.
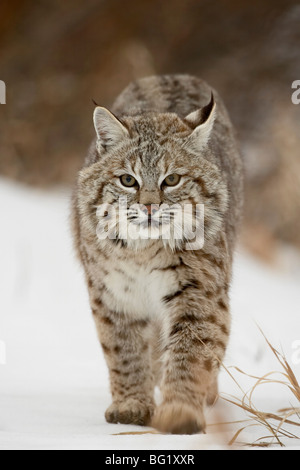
column 126, row 349
column 198, row 334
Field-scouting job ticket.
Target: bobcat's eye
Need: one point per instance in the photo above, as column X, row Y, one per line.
column 171, row 180
column 128, row 181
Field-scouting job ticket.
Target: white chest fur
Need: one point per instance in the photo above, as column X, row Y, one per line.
column 138, row 290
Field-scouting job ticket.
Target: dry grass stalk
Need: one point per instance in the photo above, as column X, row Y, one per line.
column 272, row 422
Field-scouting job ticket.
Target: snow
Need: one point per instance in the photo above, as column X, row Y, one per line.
column 53, row 377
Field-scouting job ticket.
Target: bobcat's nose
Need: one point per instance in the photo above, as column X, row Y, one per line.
column 150, row 209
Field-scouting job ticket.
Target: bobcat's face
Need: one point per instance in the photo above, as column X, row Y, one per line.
column 151, row 182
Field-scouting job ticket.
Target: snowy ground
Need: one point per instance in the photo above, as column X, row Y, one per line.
column 53, row 380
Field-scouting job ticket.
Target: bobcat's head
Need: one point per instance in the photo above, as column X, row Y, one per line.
column 150, row 179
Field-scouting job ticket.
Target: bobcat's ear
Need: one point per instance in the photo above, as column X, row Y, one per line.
column 202, row 122
column 109, row 128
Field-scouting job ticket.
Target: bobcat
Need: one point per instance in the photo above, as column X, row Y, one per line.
column 160, row 303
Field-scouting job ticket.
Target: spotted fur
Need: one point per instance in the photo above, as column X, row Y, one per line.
column 161, row 310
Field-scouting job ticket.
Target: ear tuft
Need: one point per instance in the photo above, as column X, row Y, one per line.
column 110, row 130
column 201, row 121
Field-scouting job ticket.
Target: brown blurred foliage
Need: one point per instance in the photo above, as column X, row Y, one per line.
column 56, row 56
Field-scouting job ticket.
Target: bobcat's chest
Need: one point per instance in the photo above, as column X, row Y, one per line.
column 136, row 289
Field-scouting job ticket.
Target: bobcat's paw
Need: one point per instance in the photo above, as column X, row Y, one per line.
column 178, row 418
column 133, row 411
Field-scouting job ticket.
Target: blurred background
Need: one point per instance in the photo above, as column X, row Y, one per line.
column 56, row 56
